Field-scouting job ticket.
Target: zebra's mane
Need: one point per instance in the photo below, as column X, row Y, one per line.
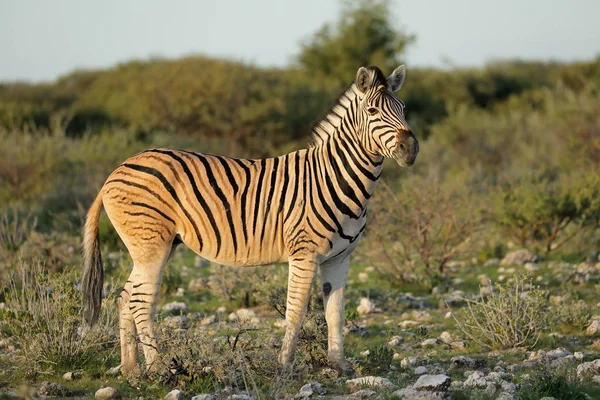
column 326, row 126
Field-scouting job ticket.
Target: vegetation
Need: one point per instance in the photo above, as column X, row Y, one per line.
column 510, row 155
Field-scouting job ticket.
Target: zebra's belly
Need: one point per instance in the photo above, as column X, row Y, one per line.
column 342, row 244
column 248, row 254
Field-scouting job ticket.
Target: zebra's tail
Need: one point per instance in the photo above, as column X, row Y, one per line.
column 93, row 273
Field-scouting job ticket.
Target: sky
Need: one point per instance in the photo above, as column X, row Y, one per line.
column 41, row 40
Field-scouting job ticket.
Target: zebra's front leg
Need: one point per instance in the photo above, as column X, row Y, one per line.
column 333, row 281
column 300, row 279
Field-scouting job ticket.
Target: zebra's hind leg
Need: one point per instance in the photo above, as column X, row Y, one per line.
column 333, row 281
column 300, row 279
column 127, row 333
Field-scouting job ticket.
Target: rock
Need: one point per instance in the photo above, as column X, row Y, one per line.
column 409, row 362
column 508, row 386
column 506, row 396
column 196, row 285
column 221, row 310
column 106, row 393
column 352, row 327
column 365, row 353
column 52, row 390
column 408, row 324
column 422, row 370
column 446, row 337
column 71, row 376
column 476, row 380
column 492, row 262
column 114, row 371
column 176, row 321
column 429, row 342
column 208, row 320
column 395, row 341
column 175, row 307
column 361, row 394
column 200, row 262
column 174, row 395
column 204, row 396
column 457, row 345
column 240, row 396
column 578, row 355
column 519, row 257
column 310, row 389
column 180, row 292
column 531, row 267
column 593, row 329
column 244, row 315
column 363, row 276
column 365, row 307
column 466, row 362
column 587, row 369
column 435, row 383
column 559, row 352
column 280, row 323
column 410, row 393
column 484, row 280
column 372, row 381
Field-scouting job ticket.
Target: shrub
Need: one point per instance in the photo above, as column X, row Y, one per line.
column 549, row 211
column 416, row 231
column 556, row 384
column 43, row 318
column 508, row 318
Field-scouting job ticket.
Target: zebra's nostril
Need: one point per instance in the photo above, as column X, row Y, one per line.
column 402, row 147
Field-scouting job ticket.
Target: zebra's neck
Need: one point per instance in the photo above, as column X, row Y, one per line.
column 343, row 163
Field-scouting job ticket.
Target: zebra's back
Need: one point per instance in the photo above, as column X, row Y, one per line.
column 231, row 211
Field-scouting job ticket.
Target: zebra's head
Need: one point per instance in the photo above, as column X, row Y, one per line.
column 380, row 116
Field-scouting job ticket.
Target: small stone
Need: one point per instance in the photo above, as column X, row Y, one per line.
column 176, row 321
column 221, row 310
column 457, row 345
column 52, row 390
column 421, row 370
column 71, row 376
column 587, row 369
column 508, row 386
column 396, row 356
column 408, row 324
column 310, row 389
column 446, row 337
column 409, row 362
column 208, row 320
column 363, row 276
column 361, row 394
column 204, row 396
column 531, row 267
column 106, row 393
column 240, row 396
column 436, row 383
column 466, row 362
column 395, row 341
column 365, row 353
column 114, row 371
column 409, row 393
column 429, row 342
column 197, row 285
column 578, row 355
column 366, row 306
column 593, row 329
column 174, row 395
column 175, row 307
column 492, row 262
column 484, row 280
column 559, row 353
column 180, row 292
column 519, row 257
column 372, row 381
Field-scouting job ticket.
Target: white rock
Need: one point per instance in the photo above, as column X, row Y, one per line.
column 409, row 393
column 508, row 386
column 220, row 310
column 180, row 292
column 421, row 370
column 176, row 321
column 365, row 353
column 175, row 307
column 492, row 262
column 429, row 342
column 446, row 337
column 106, row 393
column 174, row 395
column 465, row 362
column 395, row 341
column 457, row 345
column 310, row 389
column 593, row 329
column 71, row 376
column 531, row 267
column 408, row 324
column 114, row 371
column 476, row 380
column 372, row 381
column 363, row 276
column 559, row 353
column 586, row 369
column 365, row 307
column 204, row 396
column 578, row 355
column 519, row 257
column 240, row 396
column 409, row 362
column 208, row 320
column 436, row 383
column 280, row 323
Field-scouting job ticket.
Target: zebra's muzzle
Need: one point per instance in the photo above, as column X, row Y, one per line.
column 407, row 150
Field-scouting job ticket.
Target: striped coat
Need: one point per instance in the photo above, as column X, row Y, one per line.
column 307, row 208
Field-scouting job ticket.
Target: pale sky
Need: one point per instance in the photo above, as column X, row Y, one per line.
column 43, row 39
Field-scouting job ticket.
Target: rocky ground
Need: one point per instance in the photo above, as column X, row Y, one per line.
column 403, row 341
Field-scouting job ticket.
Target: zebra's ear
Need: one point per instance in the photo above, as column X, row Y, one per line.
column 396, row 79
column 363, row 79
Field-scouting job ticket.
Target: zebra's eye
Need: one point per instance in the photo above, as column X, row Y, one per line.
column 372, row 110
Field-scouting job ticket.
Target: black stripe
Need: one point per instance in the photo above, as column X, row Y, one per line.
column 170, row 189
column 297, row 182
column 162, row 214
column 244, row 195
column 347, row 164
column 138, row 186
column 229, row 175
column 263, row 164
column 270, row 197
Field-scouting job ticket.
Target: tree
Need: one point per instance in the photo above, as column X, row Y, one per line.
column 364, row 35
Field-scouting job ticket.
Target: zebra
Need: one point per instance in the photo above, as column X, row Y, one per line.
column 307, row 208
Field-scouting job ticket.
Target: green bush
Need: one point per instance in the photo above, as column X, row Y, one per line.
column 509, row 317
